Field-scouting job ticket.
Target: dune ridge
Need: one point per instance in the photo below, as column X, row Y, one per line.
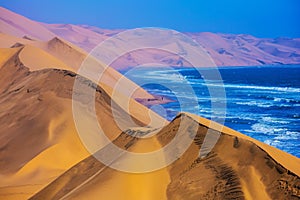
column 42, row 155
column 226, row 172
column 248, row 169
column 39, row 138
column 244, row 171
column 65, row 55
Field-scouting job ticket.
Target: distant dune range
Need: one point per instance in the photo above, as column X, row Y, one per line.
column 42, row 157
column 225, row 49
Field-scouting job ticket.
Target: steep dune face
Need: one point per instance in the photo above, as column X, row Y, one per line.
column 57, row 53
column 75, row 57
column 36, row 58
column 13, row 24
column 236, row 168
column 43, row 157
column 93, row 180
column 60, row 49
column 68, row 53
column 37, row 105
column 38, row 137
column 39, row 140
column 6, row 54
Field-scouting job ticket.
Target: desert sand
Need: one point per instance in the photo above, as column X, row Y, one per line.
column 65, row 55
column 236, row 168
column 225, row 49
column 54, row 145
column 42, row 155
column 43, row 158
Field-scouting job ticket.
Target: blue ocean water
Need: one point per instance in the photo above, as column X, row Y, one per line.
column 261, row 102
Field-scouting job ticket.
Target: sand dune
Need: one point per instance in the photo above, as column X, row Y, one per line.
column 58, row 53
column 74, row 57
column 236, row 168
column 30, row 110
column 239, row 166
column 247, row 50
column 6, row 54
column 54, row 163
column 42, row 156
column 37, row 105
column 7, row 41
column 35, row 58
column 225, row 49
column 80, row 36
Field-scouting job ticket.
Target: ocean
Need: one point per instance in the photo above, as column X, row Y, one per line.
column 262, row 102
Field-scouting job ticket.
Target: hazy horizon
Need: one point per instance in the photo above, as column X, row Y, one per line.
column 267, row 19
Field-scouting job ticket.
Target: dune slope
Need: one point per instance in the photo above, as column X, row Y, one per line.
column 58, row 53
column 236, row 168
column 43, row 156
column 38, row 139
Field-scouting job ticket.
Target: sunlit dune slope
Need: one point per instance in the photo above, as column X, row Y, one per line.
column 44, row 156
column 75, row 57
column 6, row 54
column 7, row 41
column 39, row 140
column 68, row 56
column 38, row 137
column 237, row 168
column 35, row 58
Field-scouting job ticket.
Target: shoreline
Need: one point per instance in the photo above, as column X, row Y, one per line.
column 124, row 70
column 156, row 100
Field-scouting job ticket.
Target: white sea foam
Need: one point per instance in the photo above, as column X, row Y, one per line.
column 241, row 117
column 255, row 87
column 275, row 120
column 289, row 135
column 255, row 103
column 276, row 99
column 267, row 129
column 281, row 140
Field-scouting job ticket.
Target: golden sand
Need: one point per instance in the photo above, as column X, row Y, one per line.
column 45, row 98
